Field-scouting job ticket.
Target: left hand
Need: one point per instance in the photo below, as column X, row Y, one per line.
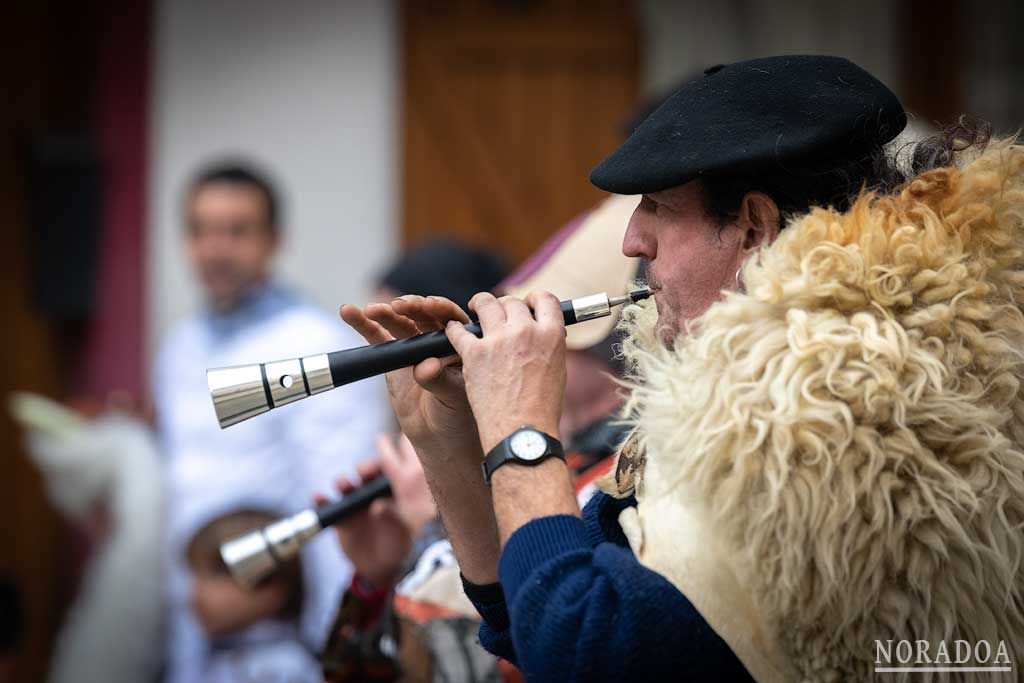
column 429, row 399
column 515, row 374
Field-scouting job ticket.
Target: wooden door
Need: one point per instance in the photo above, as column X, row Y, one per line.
column 507, row 107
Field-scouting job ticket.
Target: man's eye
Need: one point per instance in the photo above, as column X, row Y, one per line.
column 655, row 206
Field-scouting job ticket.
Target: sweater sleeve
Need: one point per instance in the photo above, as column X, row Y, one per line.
column 600, row 518
column 580, row 611
column 494, row 633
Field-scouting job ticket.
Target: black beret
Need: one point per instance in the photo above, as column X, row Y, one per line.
column 756, row 115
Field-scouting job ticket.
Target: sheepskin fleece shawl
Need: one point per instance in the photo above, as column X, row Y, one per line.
column 836, row 456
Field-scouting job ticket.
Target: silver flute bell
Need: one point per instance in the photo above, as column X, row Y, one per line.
column 243, row 391
column 258, row 554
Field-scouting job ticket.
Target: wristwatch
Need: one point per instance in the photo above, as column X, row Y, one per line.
column 526, row 446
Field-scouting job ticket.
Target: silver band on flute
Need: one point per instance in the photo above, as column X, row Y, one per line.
column 243, row 391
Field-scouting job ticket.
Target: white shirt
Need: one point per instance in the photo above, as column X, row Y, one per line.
column 275, row 462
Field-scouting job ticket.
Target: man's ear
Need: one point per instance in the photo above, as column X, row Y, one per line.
column 760, row 218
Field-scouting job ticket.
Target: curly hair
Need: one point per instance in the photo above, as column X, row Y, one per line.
column 836, row 182
column 853, row 424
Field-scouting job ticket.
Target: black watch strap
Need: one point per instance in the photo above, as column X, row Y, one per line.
column 525, row 446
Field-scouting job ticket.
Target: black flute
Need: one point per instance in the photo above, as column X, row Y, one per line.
column 243, row 391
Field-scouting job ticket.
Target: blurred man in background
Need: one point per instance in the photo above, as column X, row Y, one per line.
column 232, row 233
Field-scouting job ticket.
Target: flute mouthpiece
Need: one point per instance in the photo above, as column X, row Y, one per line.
column 642, row 293
column 632, row 297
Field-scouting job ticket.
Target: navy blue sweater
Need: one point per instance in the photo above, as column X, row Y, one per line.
column 574, row 604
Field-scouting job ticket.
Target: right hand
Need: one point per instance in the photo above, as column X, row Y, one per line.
column 429, row 399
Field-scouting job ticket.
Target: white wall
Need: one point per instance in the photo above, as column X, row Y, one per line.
column 308, row 89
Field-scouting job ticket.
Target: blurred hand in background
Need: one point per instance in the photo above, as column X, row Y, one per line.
column 378, row 540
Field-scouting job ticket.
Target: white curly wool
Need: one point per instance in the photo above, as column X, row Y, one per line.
column 834, row 458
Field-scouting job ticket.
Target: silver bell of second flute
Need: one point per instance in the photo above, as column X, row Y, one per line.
column 243, row 391
column 258, row 554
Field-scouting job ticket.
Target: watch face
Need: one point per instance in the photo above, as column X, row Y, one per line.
column 528, row 444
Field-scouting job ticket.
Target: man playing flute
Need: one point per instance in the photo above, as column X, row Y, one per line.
column 827, row 451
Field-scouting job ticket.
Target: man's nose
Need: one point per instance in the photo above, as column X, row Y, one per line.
column 638, row 240
column 220, row 242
